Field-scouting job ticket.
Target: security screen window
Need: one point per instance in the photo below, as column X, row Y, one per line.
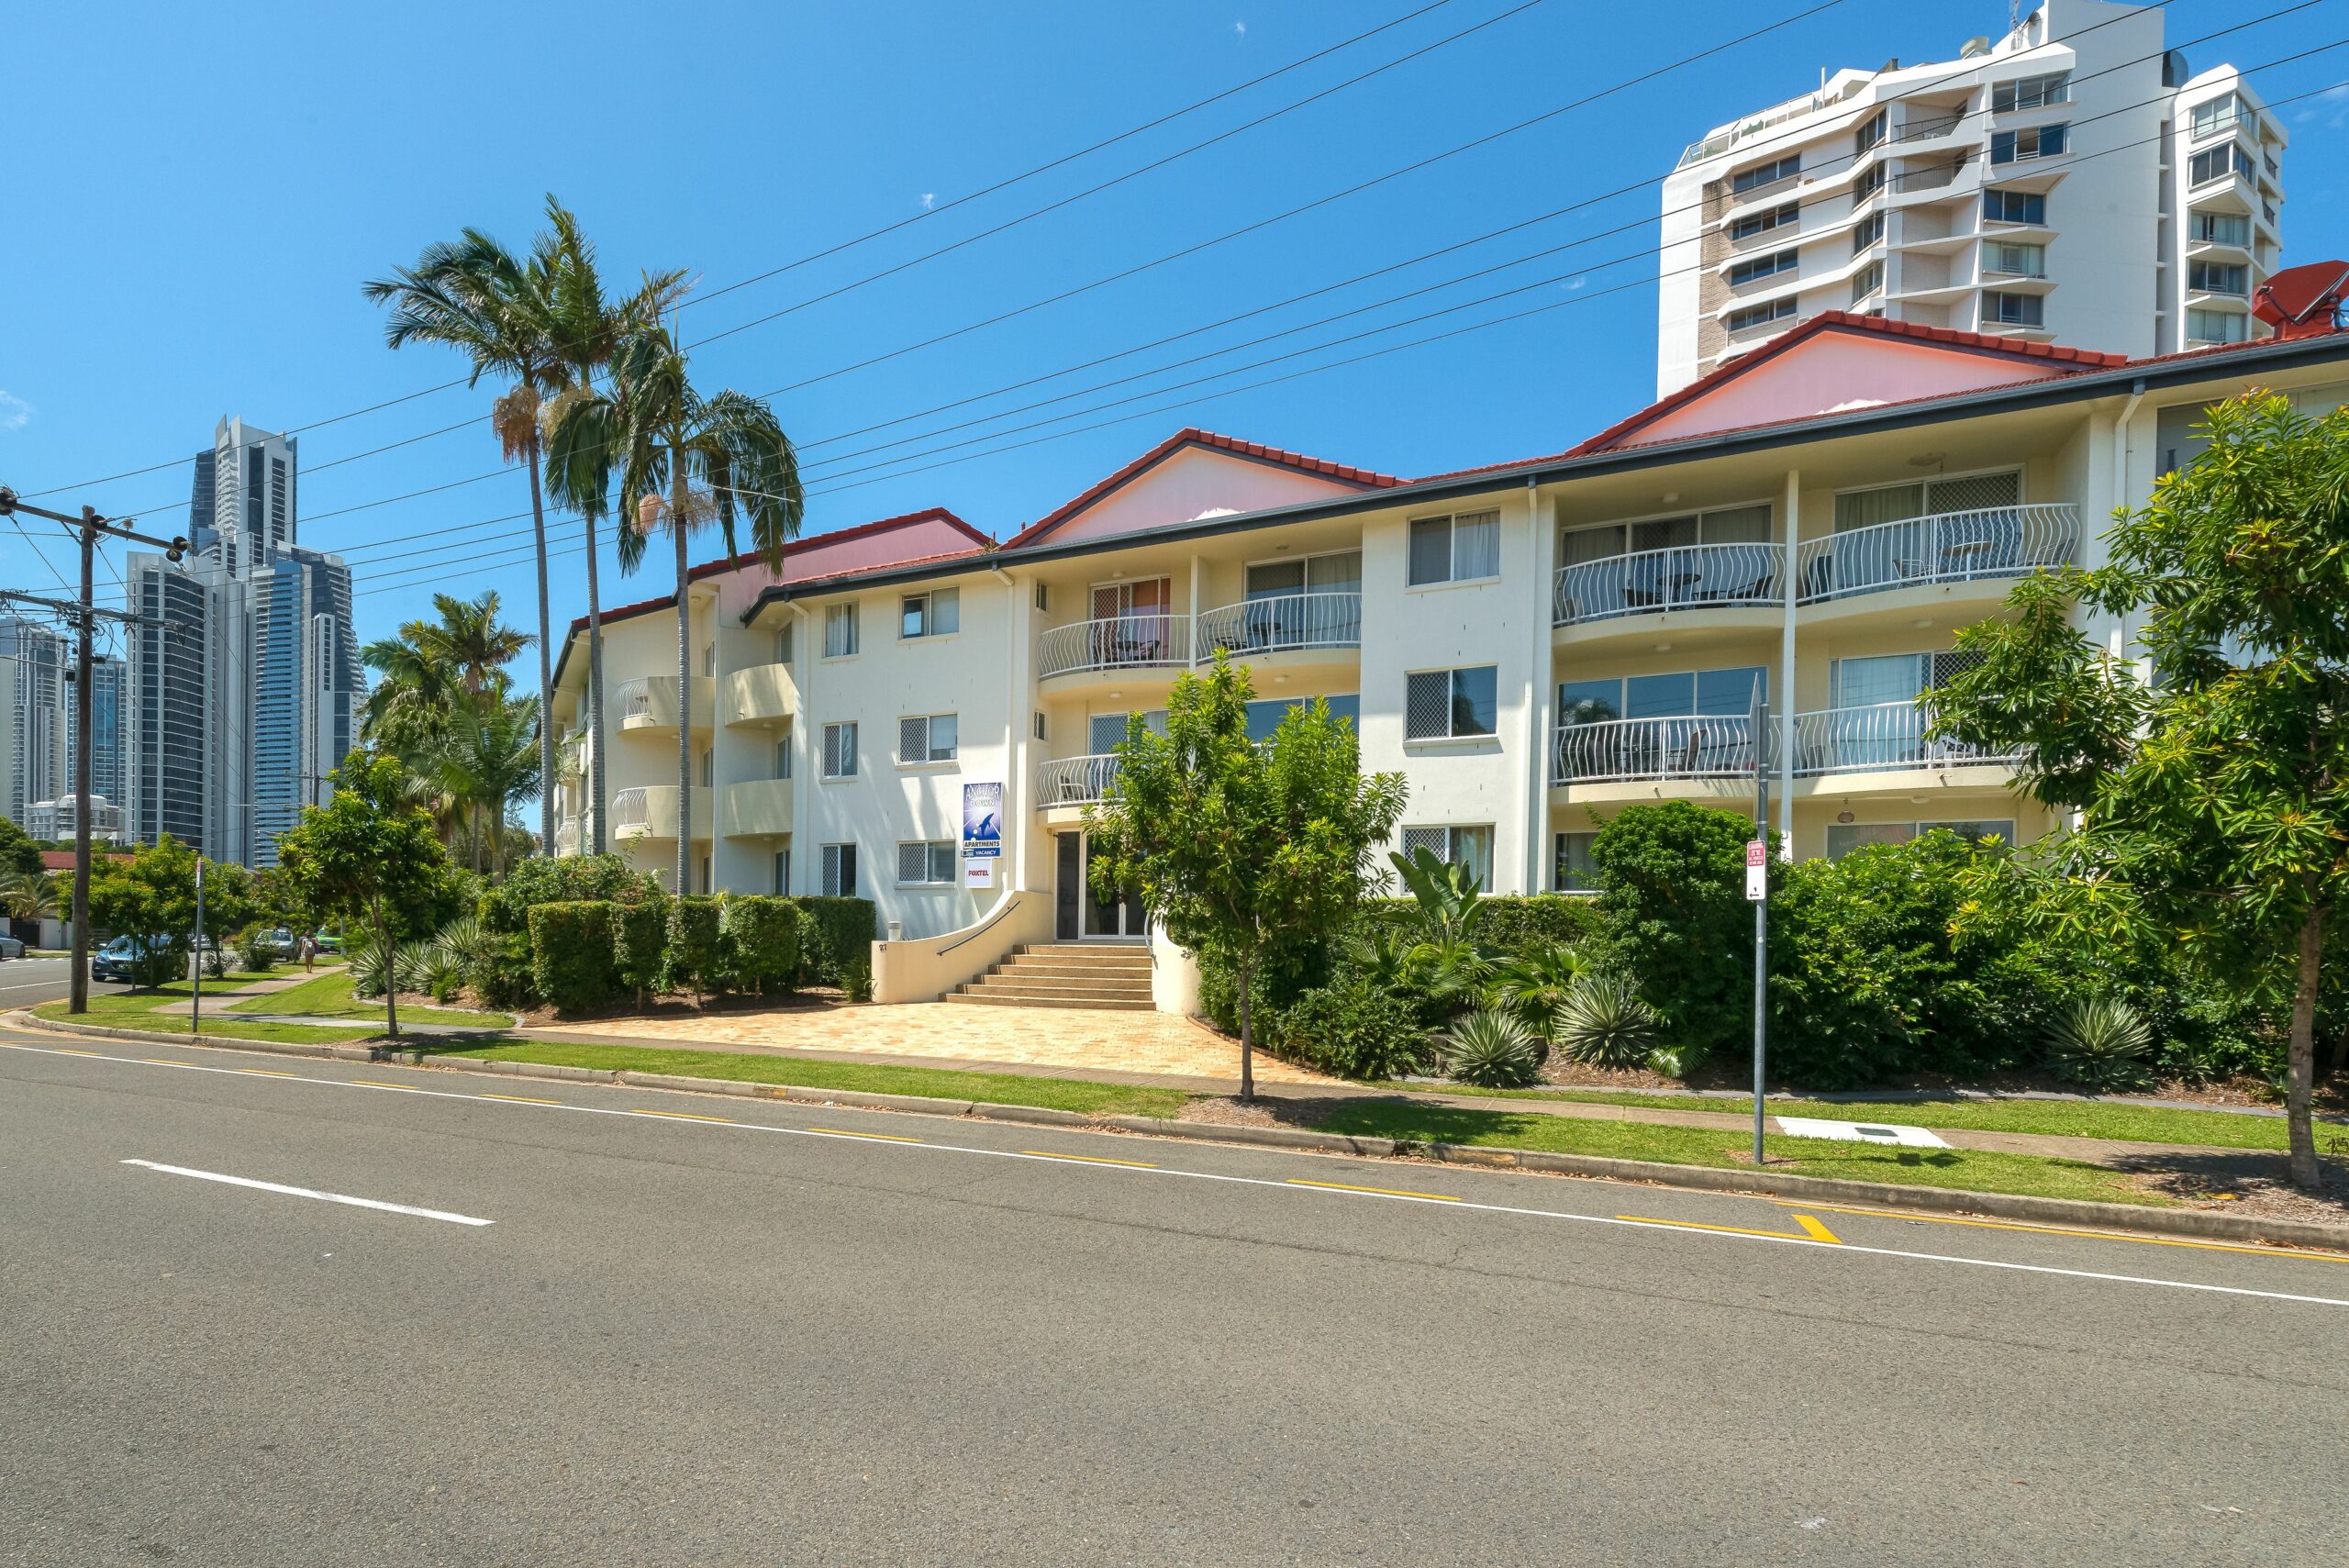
column 1452, row 704
column 926, row 864
column 927, row 738
column 1470, row 849
column 840, row 871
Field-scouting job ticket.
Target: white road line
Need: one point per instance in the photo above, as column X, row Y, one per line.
column 310, row 1192
column 1847, row 1249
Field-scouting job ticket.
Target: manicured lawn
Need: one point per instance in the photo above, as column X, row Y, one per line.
column 995, row 1088
column 137, row 1012
column 329, row 997
column 2061, row 1118
column 1965, row 1169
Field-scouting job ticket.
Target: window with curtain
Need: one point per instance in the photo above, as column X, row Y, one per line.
column 1454, row 550
column 1469, row 848
column 1107, row 731
column 840, row 750
column 1572, row 868
column 839, row 630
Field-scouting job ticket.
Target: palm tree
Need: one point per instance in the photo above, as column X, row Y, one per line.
column 476, row 296
column 711, row 455
column 588, row 330
column 28, row 896
column 468, row 643
column 487, row 756
column 409, row 700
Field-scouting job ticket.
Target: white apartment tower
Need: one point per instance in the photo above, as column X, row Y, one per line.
column 2071, row 181
column 34, row 704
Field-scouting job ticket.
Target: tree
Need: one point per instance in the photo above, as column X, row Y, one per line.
column 368, row 855
column 499, row 309
column 2213, row 789
column 442, row 708
column 17, row 851
column 28, row 894
column 1244, row 851
column 711, row 456
column 1673, row 877
column 149, row 896
column 488, row 755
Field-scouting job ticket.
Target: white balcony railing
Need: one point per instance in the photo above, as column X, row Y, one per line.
column 631, row 812
column 1074, row 780
column 1703, row 746
column 566, row 836
column 1883, row 735
column 1991, row 541
column 1120, row 642
column 1279, row 625
column 1697, row 577
column 1926, row 128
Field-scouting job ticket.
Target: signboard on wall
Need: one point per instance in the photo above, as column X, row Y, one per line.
column 981, row 833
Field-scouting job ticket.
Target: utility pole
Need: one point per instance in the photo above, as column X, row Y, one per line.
column 85, row 530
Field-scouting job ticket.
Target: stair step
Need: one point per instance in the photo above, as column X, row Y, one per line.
column 1108, row 951
column 1019, row 988
column 985, row 999
column 1070, row 966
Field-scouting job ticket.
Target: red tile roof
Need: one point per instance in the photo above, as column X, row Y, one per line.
column 1192, row 436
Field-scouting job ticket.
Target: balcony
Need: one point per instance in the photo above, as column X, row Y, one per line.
column 1074, row 780
column 1949, row 547
column 1290, row 623
column 1654, row 581
column 1929, row 127
column 651, row 812
column 1143, row 641
column 1885, row 737
column 650, row 702
column 1702, row 746
column 762, row 693
column 567, row 836
column 757, row 808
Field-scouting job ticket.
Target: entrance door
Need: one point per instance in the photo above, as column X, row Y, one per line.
column 1078, row 915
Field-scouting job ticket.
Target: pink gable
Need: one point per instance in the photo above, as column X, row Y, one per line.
column 1833, row 372
column 1191, row 483
column 863, row 549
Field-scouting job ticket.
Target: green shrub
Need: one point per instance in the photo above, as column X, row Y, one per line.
column 499, row 970
column 571, row 963
column 841, row 939
column 2101, row 1042
column 565, row 879
column 1353, row 1028
column 1604, row 1023
column 215, row 962
column 763, row 935
column 1491, row 1051
column 641, row 944
column 1675, row 1061
column 256, row 952
column 694, row 960
column 1673, row 880
column 1513, row 924
column 1531, row 983
column 856, row 981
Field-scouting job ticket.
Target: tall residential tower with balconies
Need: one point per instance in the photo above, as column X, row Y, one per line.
column 2071, row 181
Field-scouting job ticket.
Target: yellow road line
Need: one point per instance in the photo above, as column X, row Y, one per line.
column 2070, row 1230
column 1383, row 1192
column 639, row 1110
column 1814, row 1231
column 267, row 1072
column 378, row 1084
column 876, row 1137
column 1818, row 1232
column 1090, row 1159
column 68, row 1051
column 527, row 1100
column 162, row 1061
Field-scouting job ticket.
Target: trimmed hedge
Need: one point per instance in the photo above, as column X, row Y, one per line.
column 697, row 959
column 838, row 939
column 763, row 935
column 641, row 944
column 572, row 959
column 536, row 880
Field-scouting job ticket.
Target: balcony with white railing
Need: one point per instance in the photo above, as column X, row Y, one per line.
column 1884, row 737
column 567, row 836
column 1144, row 640
column 1655, row 582
column 1074, row 780
column 1288, row 623
column 650, row 702
column 649, row 811
column 1614, row 750
column 1986, row 544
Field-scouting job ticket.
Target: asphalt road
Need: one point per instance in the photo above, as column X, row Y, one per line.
column 27, row 982
column 790, row 1336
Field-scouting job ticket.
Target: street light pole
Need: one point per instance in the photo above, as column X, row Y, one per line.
column 1757, row 889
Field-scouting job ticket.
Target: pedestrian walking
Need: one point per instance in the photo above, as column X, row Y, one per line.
column 309, row 954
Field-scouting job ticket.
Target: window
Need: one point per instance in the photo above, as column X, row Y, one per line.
column 2013, row 206
column 1572, row 869
column 709, row 658
column 1868, row 280
column 926, row 738
column 783, row 641
column 2030, row 92
column 1785, row 216
column 1470, row 849
column 2217, row 327
column 2021, row 146
column 782, row 757
column 1043, row 597
column 1762, row 175
column 1684, row 693
column 1264, row 717
column 2215, row 115
column 1105, row 732
column 1338, row 571
column 781, row 873
column 840, row 871
column 705, row 768
column 1455, row 550
column 1758, row 267
column 839, row 630
column 705, row 873
column 1870, row 134
column 927, row 863
column 1870, row 230
column 1761, row 314
column 1452, row 704
column 2014, row 260
column 1842, row 838
column 1039, row 724
column 840, row 750
column 1719, row 571
column 2218, row 162
column 1868, row 184
column 2217, row 277
column 2219, row 228
column 933, row 614
column 2013, row 309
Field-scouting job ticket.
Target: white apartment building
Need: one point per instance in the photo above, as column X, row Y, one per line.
column 55, row 819
column 2071, row 181
column 1533, row 645
column 35, row 761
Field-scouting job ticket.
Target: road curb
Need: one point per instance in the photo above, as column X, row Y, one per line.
column 2201, row 1224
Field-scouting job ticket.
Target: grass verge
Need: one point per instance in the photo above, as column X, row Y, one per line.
column 329, row 997
column 995, row 1088
column 1965, row 1169
column 139, row 1013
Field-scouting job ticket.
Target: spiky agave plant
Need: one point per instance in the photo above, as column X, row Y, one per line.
column 2101, row 1042
column 1603, row 1022
column 1492, row 1050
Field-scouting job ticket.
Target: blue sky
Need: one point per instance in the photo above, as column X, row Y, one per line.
column 199, row 195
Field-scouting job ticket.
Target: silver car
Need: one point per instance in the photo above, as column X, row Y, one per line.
column 11, row 947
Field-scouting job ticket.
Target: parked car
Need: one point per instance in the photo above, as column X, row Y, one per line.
column 113, row 960
column 329, row 942
column 11, row 947
column 281, row 941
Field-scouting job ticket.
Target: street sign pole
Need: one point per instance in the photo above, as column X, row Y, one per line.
column 196, row 1008
column 1757, row 889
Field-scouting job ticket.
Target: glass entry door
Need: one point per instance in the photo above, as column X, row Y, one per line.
column 1078, row 915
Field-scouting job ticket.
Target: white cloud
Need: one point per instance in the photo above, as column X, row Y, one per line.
column 1572, row 284
column 1241, row 28
column 927, row 198
column 14, row 412
column 2329, row 108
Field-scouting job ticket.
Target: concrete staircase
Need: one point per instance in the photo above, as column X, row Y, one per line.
column 1065, row 974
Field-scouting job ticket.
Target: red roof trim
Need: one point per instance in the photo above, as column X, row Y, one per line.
column 1192, row 436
